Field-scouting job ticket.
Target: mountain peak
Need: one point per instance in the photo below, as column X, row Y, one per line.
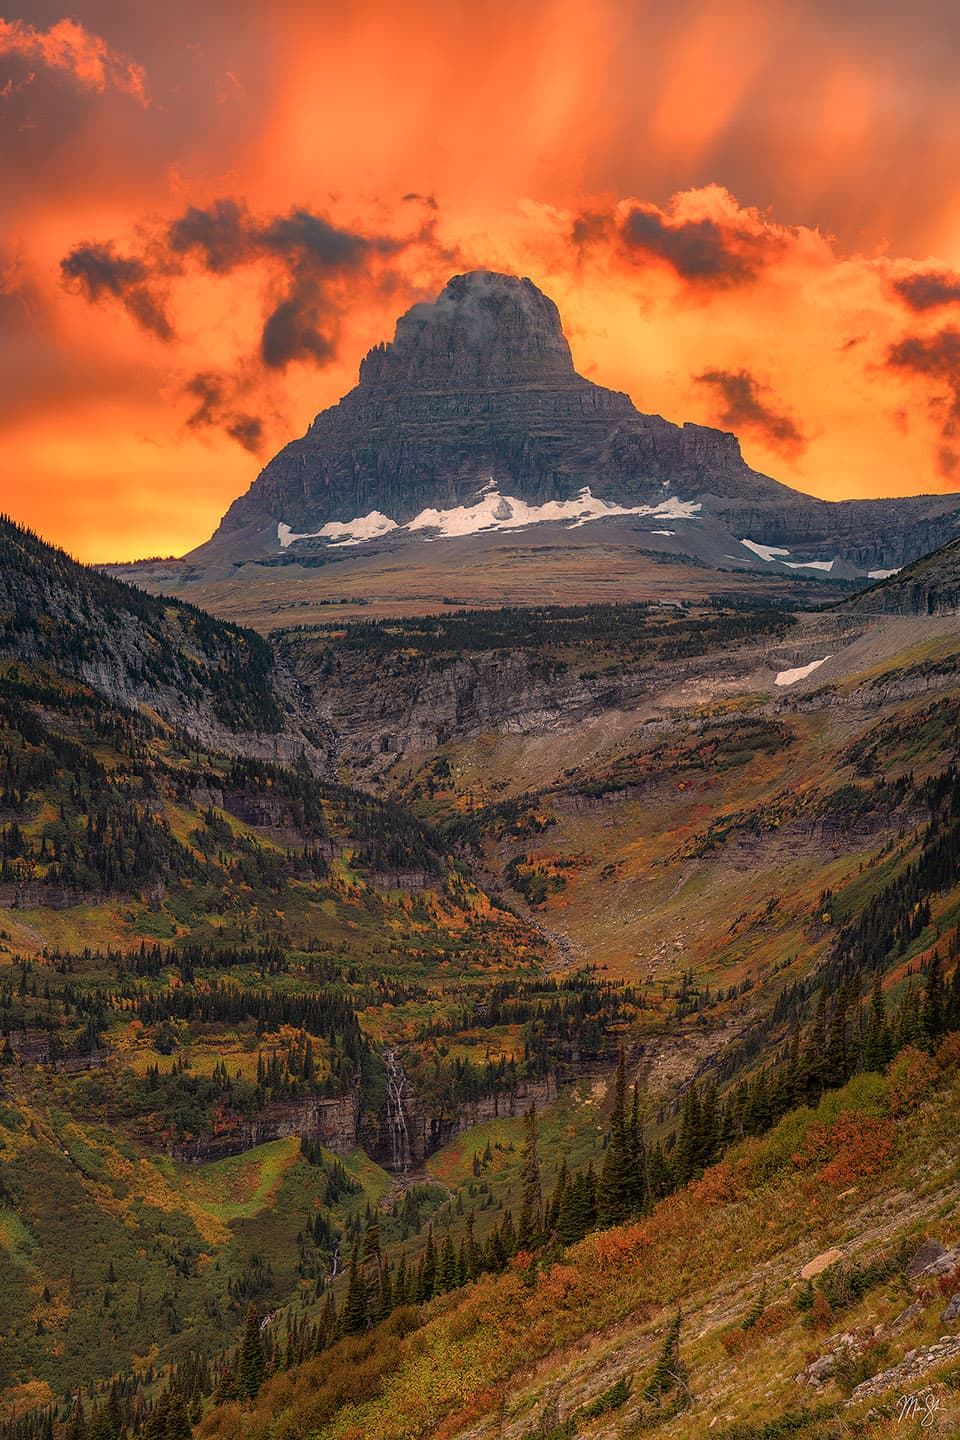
column 484, row 331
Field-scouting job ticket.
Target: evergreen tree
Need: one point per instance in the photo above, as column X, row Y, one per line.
column 934, row 1002
column 530, row 1224
column 689, row 1140
column 354, row 1316
column 178, row 1420
column 77, row 1426
column 668, row 1373
column 447, row 1267
column 251, row 1362
column 835, row 1061
column 429, row 1280
column 876, row 1037
column 617, row 1189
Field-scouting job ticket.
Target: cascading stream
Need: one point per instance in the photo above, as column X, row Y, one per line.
column 396, row 1113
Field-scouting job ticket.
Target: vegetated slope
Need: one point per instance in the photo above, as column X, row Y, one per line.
column 782, row 1293
column 835, row 1137
column 215, row 678
column 302, row 942
column 201, row 954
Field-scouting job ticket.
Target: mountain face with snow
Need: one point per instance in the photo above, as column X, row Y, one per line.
column 473, row 419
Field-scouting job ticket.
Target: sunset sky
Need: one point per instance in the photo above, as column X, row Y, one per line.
column 748, row 212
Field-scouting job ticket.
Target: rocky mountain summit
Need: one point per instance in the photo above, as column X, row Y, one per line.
column 476, row 402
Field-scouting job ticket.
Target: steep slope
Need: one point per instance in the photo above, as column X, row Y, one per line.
column 473, row 419
column 217, row 680
column 929, row 586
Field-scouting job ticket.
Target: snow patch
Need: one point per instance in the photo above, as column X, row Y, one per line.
column 344, row 532
column 790, row 677
column 492, row 511
column 766, row 552
column 826, row 565
column 883, row 574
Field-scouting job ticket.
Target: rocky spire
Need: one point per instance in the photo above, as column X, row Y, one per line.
column 484, row 331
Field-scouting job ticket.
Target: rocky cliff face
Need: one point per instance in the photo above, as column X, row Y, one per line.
column 221, row 683
column 480, row 386
column 333, row 1122
column 429, row 1128
column 930, row 586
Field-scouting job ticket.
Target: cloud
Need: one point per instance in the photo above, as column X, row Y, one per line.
column 98, row 271
column 219, row 235
column 214, row 411
column 69, row 47
column 744, row 408
column 311, row 255
column 928, row 289
column 697, row 249
column 936, row 357
column 703, row 235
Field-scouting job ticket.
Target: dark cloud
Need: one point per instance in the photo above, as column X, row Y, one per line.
column 937, row 358
column 247, row 430
column 219, row 235
column 312, row 254
column 213, row 410
column 98, row 272
column 697, row 249
column 292, row 332
column 589, row 227
column 929, row 289
column 429, row 200
column 310, row 238
column 744, row 406
column 310, row 258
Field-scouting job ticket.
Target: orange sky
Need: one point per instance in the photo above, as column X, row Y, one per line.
column 745, row 209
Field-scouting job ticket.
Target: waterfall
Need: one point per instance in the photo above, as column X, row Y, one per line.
column 396, row 1113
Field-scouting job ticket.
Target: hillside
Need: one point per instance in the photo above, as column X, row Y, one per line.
column 273, row 1039
column 215, row 679
column 928, row 586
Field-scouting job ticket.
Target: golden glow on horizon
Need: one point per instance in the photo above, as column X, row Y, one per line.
column 779, row 188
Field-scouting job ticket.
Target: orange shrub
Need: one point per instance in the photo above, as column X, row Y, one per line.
column 853, row 1146
column 719, row 1186
column 774, row 1319
column 613, row 1247
column 948, row 1054
column 911, row 1078
column 735, row 1340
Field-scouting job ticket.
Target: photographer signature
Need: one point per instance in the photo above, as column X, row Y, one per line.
column 922, row 1405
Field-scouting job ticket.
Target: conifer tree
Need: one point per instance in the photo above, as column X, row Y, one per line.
column 617, row 1185
column 429, row 1284
column 668, row 1373
column 447, row 1267
column 530, row 1224
column 251, row 1362
column 876, row 1040
column 178, row 1421
column 552, row 1212
column 77, row 1427
column 835, row 1060
column 934, row 1001
column 354, row 1316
